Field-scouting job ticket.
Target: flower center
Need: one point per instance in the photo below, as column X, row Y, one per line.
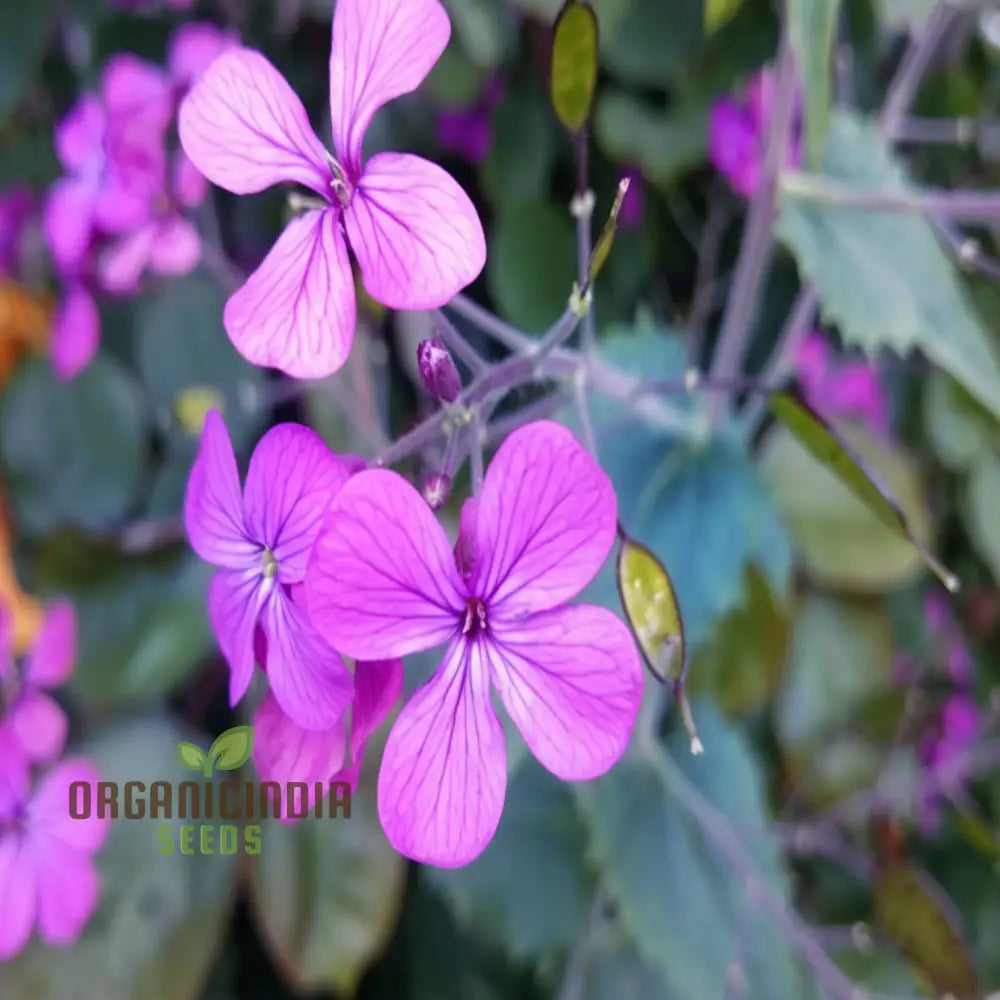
column 339, row 185
column 474, row 622
column 268, row 564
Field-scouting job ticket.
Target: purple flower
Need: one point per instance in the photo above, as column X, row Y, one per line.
column 634, row 204
column 955, row 730
column 284, row 751
column 76, row 331
column 112, row 148
column 849, row 390
column 467, row 131
column 166, row 243
column 47, row 873
column 32, row 721
column 737, row 135
column 261, row 541
column 437, row 370
column 194, row 47
column 15, row 209
column 383, row 581
column 413, row 231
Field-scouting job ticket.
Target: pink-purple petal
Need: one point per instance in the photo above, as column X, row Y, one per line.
column 18, row 893
column 80, row 134
column 415, row 232
column 14, row 774
column 245, row 129
column 53, row 653
column 68, row 890
column 39, row 725
column 76, row 333
column 48, row 812
column 123, row 263
column 296, row 312
column 377, row 687
column 176, row 248
column 545, row 521
column 234, row 601
column 443, row 777
column 309, row 679
column 213, row 506
column 381, row 581
column 292, row 478
column 572, row 682
column 194, row 47
column 284, row 751
column 381, row 49
column 69, row 222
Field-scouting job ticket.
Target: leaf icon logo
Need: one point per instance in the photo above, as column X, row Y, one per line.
column 229, row 751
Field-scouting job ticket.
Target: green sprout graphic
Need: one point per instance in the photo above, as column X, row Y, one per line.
column 231, row 750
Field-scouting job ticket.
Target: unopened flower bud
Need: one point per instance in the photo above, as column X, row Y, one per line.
column 436, row 490
column 438, row 371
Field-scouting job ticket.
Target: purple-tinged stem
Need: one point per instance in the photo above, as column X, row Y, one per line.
column 754, row 256
column 450, row 334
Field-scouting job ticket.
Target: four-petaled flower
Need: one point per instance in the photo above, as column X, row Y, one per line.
column 47, row 873
column 261, row 541
column 412, row 229
column 383, row 581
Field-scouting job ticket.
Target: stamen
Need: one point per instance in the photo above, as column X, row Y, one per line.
column 338, row 183
column 474, row 622
column 269, row 565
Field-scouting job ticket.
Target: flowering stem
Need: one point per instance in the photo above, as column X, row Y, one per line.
column 457, row 343
column 476, row 453
column 582, row 209
column 511, row 338
column 758, row 235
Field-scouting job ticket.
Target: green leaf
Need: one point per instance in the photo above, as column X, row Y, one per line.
column 841, row 661
column 915, row 912
column 640, row 51
column 74, row 453
column 532, row 263
column 839, row 539
column 823, row 443
column 326, row 894
column 541, row 841
column 663, row 144
column 188, row 363
column 743, row 662
column 161, row 918
column 812, row 28
column 232, row 749
column 650, row 605
column 681, row 902
column 982, row 497
column 882, row 277
column 142, row 620
column 522, row 149
column 482, row 28
column 573, row 76
column 27, row 28
column 191, row 756
column 959, row 429
column 720, row 12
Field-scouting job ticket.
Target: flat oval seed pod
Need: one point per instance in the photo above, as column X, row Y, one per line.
column 574, row 64
column 650, row 605
column 823, row 442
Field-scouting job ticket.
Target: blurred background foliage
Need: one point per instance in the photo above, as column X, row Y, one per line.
column 799, row 604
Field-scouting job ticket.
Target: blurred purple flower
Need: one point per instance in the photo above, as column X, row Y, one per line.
column 32, row 720
column 737, row 134
column 466, row 131
column 633, row 208
column 16, row 205
column 956, row 728
column 849, row 389
column 47, row 873
column 76, row 331
column 194, row 47
column 112, row 148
